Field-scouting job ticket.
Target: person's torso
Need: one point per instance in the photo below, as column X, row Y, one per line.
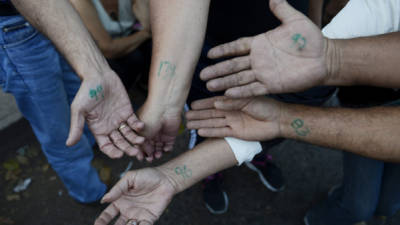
column 233, row 19
column 124, row 25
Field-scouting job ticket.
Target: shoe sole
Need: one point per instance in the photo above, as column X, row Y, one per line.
column 263, row 180
column 306, row 221
column 218, row 212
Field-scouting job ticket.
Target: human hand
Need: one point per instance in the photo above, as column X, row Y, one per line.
column 141, row 10
column 140, row 196
column 253, row 119
column 290, row 58
column 103, row 102
column 160, row 130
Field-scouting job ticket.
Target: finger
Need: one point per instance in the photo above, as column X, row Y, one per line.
column 207, row 103
column 135, row 123
column 122, row 144
column 226, row 67
column 131, row 136
column 107, row 215
column 76, row 127
column 232, row 104
column 107, row 147
column 234, row 48
column 207, row 123
column 140, row 156
column 230, row 81
column 118, row 189
column 148, row 148
column 145, row 223
column 158, row 155
column 121, row 221
column 168, row 141
column 249, row 90
column 284, row 11
column 205, row 114
column 215, row 132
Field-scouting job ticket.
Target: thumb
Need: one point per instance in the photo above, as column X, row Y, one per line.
column 284, row 11
column 230, row 104
column 76, row 127
column 118, row 189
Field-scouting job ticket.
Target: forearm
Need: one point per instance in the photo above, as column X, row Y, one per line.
column 119, row 47
column 369, row 132
column 62, row 25
column 315, row 11
column 365, row 61
column 178, row 28
column 205, row 159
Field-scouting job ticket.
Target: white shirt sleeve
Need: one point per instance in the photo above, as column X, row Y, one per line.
column 244, row 151
column 361, row 18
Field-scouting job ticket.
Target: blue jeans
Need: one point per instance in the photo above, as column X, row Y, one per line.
column 44, row 86
column 370, row 187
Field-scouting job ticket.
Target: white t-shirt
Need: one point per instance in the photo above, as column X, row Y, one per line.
column 362, row 18
column 126, row 19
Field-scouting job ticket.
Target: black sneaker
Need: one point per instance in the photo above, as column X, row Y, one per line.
column 215, row 198
column 270, row 175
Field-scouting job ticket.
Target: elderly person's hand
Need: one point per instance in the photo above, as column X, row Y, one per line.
column 290, row 58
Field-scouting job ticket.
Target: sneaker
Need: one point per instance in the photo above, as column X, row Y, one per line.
column 270, row 175
column 215, row 198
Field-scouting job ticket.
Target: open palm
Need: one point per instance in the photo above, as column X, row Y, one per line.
column 140, row 195
column 105, row 106
column 289, row 58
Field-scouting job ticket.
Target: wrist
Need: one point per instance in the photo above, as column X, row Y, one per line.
column 171, row 178
column 332, row 62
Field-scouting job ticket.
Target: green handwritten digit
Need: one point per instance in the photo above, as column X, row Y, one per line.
column 100, row 90
column 298, row 126
column 184, row 172
column 297, row 123
column 167, row 69
column 93, row 93
column 300, row 41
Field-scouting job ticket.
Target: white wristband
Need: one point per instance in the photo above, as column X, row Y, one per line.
column 244, row 151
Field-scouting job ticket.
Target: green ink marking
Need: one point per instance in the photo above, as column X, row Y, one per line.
column 166, row 68
column 298, row 126
column 100, row 90
column 93, row 93
column 184, row 172
column 300, row 41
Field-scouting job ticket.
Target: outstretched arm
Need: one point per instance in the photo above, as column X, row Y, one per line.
column 369, row 132
column 110, row 47
column 143, row 195
column 101, row 100
column 178, row 28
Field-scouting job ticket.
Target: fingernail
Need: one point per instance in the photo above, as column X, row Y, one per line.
column 218, row 104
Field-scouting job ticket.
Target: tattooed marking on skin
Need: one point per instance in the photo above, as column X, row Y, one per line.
column 299, row 128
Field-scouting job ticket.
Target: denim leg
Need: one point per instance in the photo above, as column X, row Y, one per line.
column 389, row 201
column 362, row 178
column 72, row 84
column 33, row 74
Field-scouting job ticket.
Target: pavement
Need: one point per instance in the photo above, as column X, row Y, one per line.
column 310, row 172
